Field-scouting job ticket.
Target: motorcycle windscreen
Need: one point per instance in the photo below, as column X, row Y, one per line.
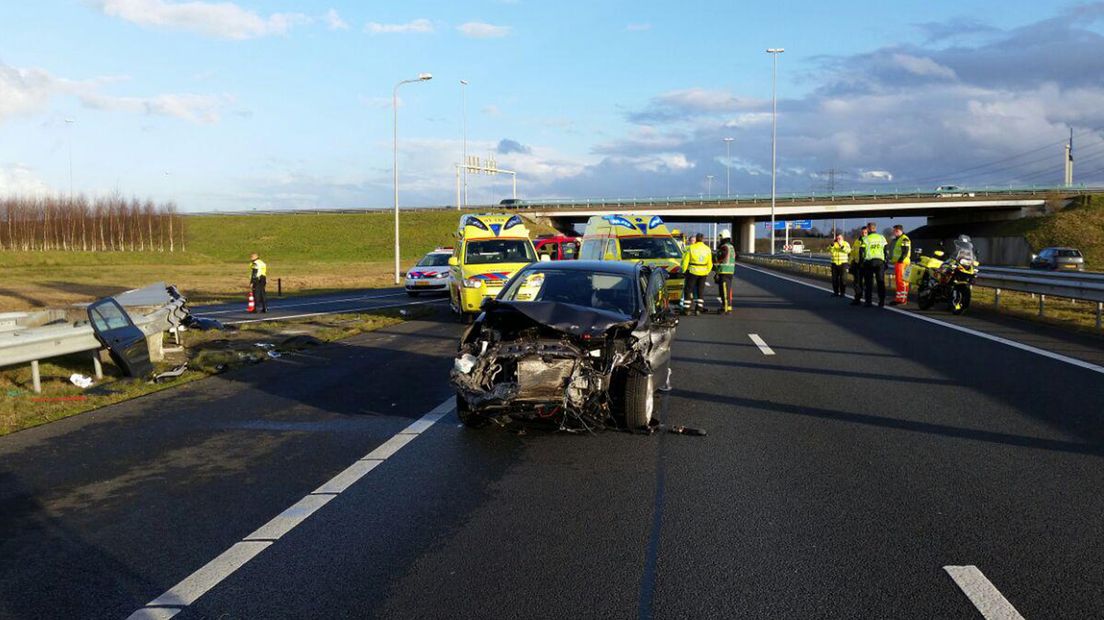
column 124, row 341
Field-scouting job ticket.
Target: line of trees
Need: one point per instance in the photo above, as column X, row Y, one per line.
column 80, row 224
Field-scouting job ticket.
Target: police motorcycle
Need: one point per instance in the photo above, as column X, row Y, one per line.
column 948, row 278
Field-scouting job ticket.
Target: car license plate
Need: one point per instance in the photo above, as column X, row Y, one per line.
column 423, row 284
column 1069, row 266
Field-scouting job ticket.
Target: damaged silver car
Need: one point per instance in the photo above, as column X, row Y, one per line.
column 583, row 344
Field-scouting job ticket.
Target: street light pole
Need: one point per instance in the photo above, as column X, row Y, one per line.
column 708, row 186
column 774, row 52
column 728, row 166
column 464, row 111
column 422, row 77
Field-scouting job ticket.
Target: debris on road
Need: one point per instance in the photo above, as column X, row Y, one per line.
column 171, row 374
column 80, row 380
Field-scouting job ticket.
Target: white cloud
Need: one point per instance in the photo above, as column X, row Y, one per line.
column 30, row 91
column 224, row 20
column 638, row 27
column 481, row 30
column 333, row 20
column 491, row 110
column 925, row 67
column 204, row 109
column 875, row 175
column 416, row 26
column 20, row 180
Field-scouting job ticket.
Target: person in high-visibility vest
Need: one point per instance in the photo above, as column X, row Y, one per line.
column 902, row 248
column 856, row 266
column 697, row 262
column 873, row 257
column 258, row 278
column 726, row 267
column 839, row 251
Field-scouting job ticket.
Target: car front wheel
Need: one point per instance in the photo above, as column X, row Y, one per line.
column 639, row 400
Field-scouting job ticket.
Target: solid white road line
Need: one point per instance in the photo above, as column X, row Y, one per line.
column 343, row 311
column 762, row 344
column 982, row 593
column 311, row 303
column 201, row 581
column 966, row 330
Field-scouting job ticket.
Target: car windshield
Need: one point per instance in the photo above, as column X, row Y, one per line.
column 1069, row 253
column 604, row 291
column 434, row 260
column 490, row 251
column 649, row 247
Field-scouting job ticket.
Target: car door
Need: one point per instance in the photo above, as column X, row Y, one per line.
column 124, row 341
column 661, row 321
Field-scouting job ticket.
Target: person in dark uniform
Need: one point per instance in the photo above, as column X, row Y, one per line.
column 258, row 278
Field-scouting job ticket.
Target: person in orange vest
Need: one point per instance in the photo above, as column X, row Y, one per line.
column 902, row 248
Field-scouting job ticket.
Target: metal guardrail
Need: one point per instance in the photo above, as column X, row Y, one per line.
column 1079, row 286
column 23, row 344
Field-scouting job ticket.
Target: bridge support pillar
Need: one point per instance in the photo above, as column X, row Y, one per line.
column 743, row 229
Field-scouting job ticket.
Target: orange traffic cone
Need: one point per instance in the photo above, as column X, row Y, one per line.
column 252, row 307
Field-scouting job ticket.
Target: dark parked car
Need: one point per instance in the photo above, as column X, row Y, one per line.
column 1060, row 259
column 512, row 202
column 583, row 344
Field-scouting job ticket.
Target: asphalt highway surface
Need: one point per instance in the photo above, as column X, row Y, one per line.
column 859, row 463
column 304, row 306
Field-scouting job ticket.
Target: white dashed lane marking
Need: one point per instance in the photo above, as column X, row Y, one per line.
column 210, row 575
column 982, row 593
column 759, row 342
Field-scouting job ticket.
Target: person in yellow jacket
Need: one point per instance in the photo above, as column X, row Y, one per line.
column 697, row 262
column 902, row 248
column 258, row 278
column 839, row 251
column 873, row 255
column 856, row 266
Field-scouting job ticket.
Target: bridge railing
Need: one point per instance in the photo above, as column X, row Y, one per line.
column 1078, row 286
column 790, row 197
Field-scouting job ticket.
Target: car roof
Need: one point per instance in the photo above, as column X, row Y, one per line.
column 600, row 266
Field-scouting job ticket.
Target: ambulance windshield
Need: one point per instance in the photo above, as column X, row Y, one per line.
column 633, row 248
column 489, row 251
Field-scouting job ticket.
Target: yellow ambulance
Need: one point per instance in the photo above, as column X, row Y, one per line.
column 490, row 248
column 637, row 238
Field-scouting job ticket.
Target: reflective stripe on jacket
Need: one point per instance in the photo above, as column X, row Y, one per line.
column 839, row 252
column 873, row 247
column 698, row 259
column 726, row 258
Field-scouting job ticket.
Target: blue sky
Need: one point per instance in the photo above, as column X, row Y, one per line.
column 268, row 105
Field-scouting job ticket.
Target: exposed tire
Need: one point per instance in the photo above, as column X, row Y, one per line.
column 468, row 417
column 639, row 399
column 924, row 297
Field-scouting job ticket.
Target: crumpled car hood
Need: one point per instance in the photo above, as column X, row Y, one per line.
column 568, row 318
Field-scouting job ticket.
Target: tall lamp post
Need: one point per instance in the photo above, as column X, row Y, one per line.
column 728, row 166
column 422, row 77
column 774, row 52
column 708, row 186
column 464, row 113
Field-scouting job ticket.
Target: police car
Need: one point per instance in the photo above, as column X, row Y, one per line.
column 431, row 274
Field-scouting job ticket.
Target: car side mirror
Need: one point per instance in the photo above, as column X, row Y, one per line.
column 453, row 262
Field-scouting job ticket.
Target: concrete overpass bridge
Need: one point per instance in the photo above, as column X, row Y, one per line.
column 965, row 205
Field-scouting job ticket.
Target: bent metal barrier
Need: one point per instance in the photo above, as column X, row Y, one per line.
column 20, row 344
column 1080, row 286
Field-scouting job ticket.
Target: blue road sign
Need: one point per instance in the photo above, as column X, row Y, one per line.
column 794, row 225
